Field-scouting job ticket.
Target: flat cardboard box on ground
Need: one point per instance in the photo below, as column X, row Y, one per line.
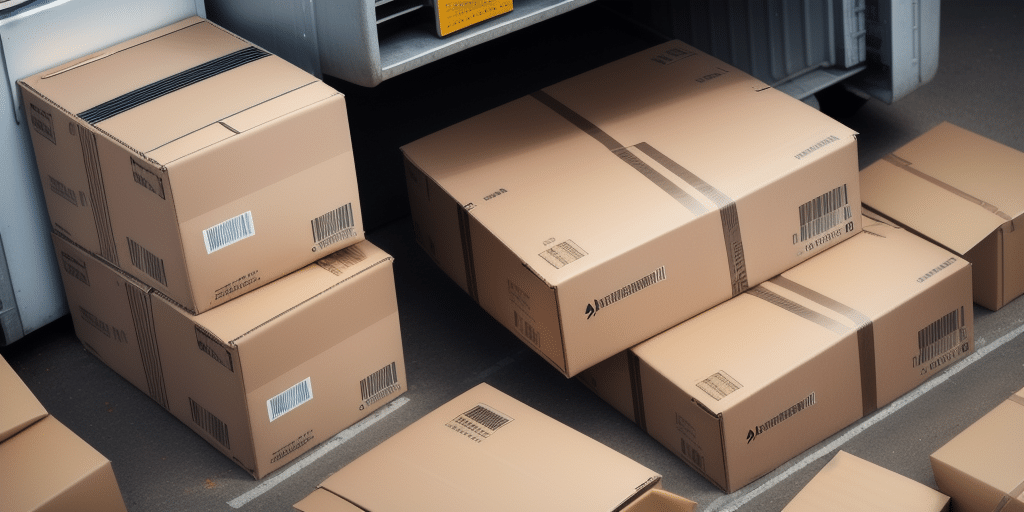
column 609, row 207
column 851, row 484
column 964, row 192
column 485, row 450
column 265, row 377
column 44, row 466
column 195, row 161
column 743, row 387
column 982, row 468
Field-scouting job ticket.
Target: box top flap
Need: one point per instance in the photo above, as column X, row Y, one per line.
column 953, row 185
column 485, row 447
column 849, row 483
column 20, row 407
column 321, row 500
column 660, row 500
column 187, row 78
column 992, row 448
column 231, row 321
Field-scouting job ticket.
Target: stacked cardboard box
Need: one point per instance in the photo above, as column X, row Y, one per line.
column 602, row 210
column 484, row 450
column 963, row 192
column 743, row 387
column 851, row 484
column 982, row 468
column 206, row 220
column 43, row 464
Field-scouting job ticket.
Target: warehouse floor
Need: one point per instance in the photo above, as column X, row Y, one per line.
column 452, row 345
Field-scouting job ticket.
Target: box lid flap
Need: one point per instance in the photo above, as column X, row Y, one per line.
column 487, row 451
column 20, row 407
column 660, row 500
column 954, row 186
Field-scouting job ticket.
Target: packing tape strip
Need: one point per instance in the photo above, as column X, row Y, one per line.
column 907, row 166
column 726, row 206
column 865, row 338
column 1017, row 494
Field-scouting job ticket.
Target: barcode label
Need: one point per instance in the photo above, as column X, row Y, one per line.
column 824, row 212
column 228, row 232
column 524, row 327
column 719, row 385
column 938, row 338
column 333, row 226
column 147, row 262
column 209, row 423
column 379, row 384
column 692, row 454
column 479, row 423
column 290, row 399
column 563, row 254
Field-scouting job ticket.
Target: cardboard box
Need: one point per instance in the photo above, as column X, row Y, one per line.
column 44, row 466
column 963, row 192
column 851, row 484
column 484, row 450
column 576, row 215
column 982, row 468
column 197, row 162
column 265, row 377
column 743, row 387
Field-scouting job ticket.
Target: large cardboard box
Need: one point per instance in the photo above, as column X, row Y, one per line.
column 851, row 484
column 197, row 162
column 963, row 192
column 44, row 466
column 743, row 387
column 982, row 468
column 265, row 377
column 485, row 450
column 604, row 209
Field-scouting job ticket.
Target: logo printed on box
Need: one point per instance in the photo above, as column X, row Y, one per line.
column 149, row 180
column 782, row 416
column 640, row 284
column 42, row 123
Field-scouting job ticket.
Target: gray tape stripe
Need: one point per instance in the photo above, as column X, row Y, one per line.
column 798, row 309
column 865, row 338
column 716, row 196
column 581, row 122
column 680, row 195
column 906, row 166
column 467, row 252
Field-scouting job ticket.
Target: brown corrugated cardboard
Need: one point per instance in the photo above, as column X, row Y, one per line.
column 18, row 405
column 963, row 192
column 484, row 450
column 265, row 377
column 851, row 484
column 982, row 468
column 741, row 388
column 44, row 466
column 202, row 165
column 576, row 215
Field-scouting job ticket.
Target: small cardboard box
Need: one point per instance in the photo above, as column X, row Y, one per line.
column 609, row 207
column 265, row 377
column 484, row 450
column 963, row 192
column 200, row 164
column 982, row 468
column 743, row 387
column 43, row 464
column 851, row 484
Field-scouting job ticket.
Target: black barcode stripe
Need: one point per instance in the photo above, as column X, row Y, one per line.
column 209, row 423
column 938, row 337
column 486, row 417
column 378, row 381
column 289, row 399
column 229, row 232
column 824, row 212
column 332, row 222
column 173, row 83
column 692, row 453
column 147, row 262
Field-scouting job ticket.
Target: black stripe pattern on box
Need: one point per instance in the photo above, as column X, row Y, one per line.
column 178, row 81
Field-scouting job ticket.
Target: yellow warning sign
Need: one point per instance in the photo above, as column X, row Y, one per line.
column 453, row 15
